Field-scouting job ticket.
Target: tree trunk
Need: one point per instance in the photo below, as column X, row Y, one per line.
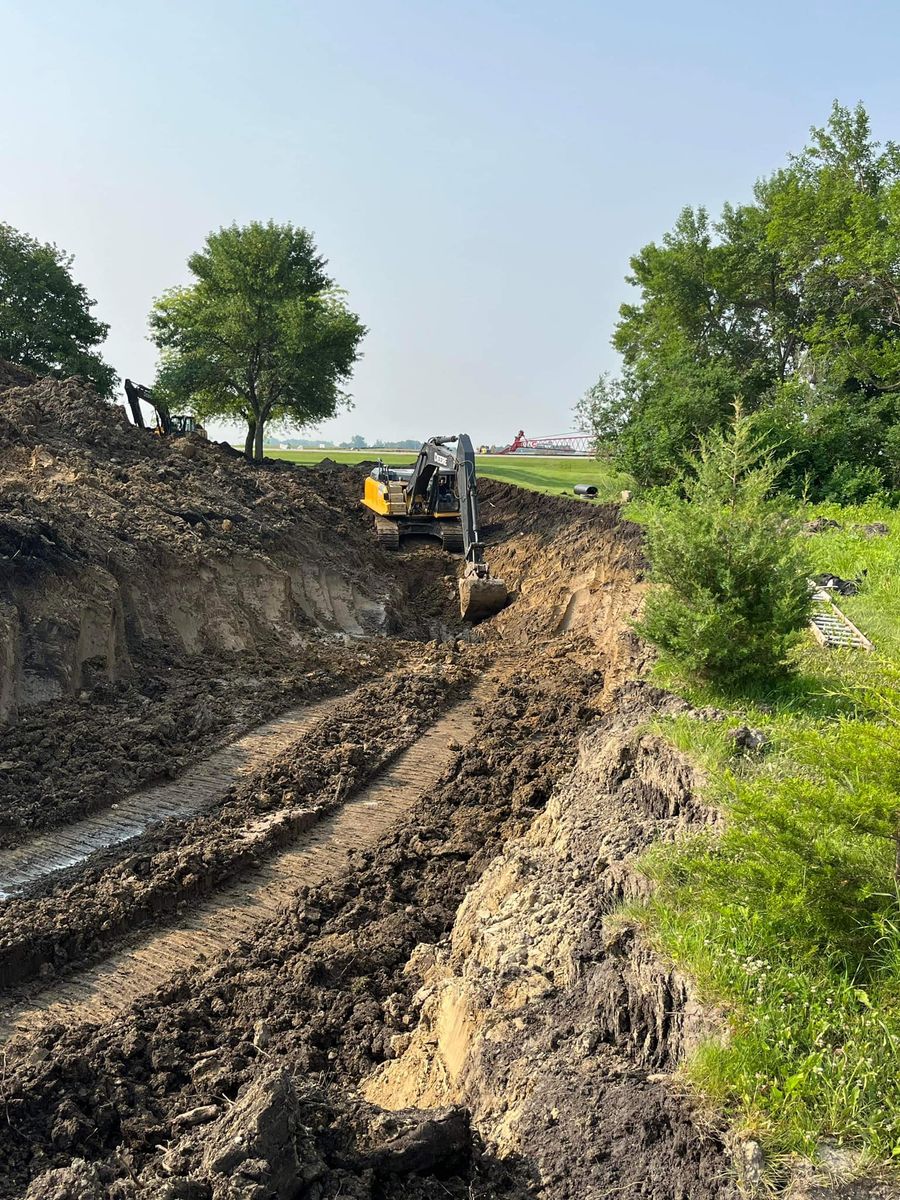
column 258, row 438
column 249, row 439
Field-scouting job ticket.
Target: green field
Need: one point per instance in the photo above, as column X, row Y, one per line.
column 549, row 475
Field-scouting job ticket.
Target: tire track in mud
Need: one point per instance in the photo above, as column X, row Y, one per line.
column 102, row 991
column 196, row 788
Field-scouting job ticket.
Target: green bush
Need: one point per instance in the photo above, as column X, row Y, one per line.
column 852, row 483
column 731, row 575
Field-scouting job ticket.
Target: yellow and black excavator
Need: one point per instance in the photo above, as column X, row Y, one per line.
column 438, row 498
column 167, row 424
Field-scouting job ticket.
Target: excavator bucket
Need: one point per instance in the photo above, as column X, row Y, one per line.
column 481, row 596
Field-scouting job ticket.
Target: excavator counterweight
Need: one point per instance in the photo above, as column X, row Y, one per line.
column 438, row 497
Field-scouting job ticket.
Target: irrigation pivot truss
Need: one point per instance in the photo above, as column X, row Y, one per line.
column 567, row 443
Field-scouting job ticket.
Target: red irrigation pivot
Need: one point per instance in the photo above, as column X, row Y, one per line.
column 568, row 443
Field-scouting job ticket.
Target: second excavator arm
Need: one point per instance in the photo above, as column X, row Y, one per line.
column 137, row 392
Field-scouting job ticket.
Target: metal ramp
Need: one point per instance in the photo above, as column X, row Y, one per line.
column 832, row 628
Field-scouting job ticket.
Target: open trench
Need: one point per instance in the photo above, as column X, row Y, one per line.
column 368, row 941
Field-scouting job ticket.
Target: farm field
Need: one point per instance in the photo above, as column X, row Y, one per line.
column 538, row 473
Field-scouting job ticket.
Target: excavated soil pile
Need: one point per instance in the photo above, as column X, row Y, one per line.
column 161, row 592
column 112, row 537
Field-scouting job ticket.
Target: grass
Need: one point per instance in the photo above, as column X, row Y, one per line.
column 790, row 918
column 537, row 473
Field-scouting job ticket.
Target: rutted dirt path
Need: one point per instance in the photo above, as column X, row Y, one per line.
column 196, row 788
column 100, row 992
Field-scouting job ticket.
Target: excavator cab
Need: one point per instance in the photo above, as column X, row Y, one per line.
column 185, row 423
column 437, row 498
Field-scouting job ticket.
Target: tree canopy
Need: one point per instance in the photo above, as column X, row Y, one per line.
column 45, row 316
column 262, row 334
column 790, row 302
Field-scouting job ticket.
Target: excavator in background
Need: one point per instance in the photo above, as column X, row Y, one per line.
column 438, row 498
column 167, row 424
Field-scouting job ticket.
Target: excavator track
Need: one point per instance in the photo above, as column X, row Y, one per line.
column 148, row 959
column 451, row 536
column 387, row 533
column 198, row 787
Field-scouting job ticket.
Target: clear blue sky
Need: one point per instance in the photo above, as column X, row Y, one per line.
column 477, row 171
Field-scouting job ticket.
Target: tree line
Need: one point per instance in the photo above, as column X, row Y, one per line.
column 261, row 334
column 789, row 303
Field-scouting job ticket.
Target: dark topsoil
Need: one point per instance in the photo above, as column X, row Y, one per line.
column 238, row 1083
column 79, row 483
column 319, row 996
column 76, row 914
column 64, row 759
column 80, row 486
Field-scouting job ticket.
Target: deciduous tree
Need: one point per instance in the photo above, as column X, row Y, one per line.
column 45, row 316
column 262, row 334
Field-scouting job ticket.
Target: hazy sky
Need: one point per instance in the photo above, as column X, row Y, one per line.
column 477, row 173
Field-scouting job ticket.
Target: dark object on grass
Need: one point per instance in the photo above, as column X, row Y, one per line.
column 745, row 738
column 873, row 529
column 584, row 489
column 708, row 713
column 834, row 583
column 819, row 525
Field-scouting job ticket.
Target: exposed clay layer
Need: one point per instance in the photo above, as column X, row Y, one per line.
column 554, row 1027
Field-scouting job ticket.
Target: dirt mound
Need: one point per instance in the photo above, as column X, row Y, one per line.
column 13, row 376
column 114, row 540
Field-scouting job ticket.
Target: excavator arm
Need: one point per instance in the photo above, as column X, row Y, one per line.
column 480, row 593
column 438, row 497
column 137, row 392
column 424, row 491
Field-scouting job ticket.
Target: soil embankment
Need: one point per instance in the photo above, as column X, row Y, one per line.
column 383, row 960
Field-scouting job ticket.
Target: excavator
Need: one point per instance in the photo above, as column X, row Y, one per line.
column 438, row 498
column 167, row 424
